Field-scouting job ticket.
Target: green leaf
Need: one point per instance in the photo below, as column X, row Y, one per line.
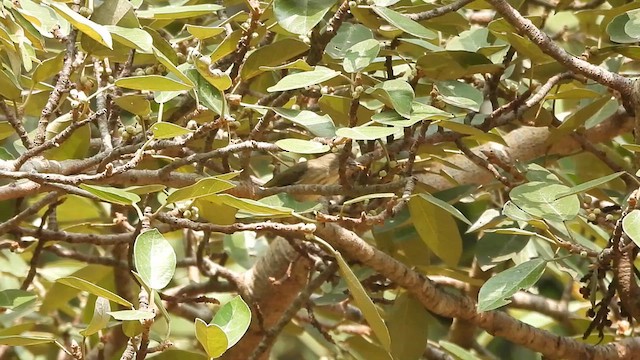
column 175, row 72
column 76, row 146
column 204, row 32
column 494, row 248
column 253, row 207
column 617, row 30
column 360, row 55
column 458, row 351
column 152, row 83
column 134, row 38
column 579, row 117
column 404, row 23
column 632, row 28
column 513, row 212
column 299, row 146
column 272, row 55
column 419, row 112
column 100, row 317
column 366, row 132
column 145, row 189
column 12, row 298
column 591, row 184
column 298, row 64
column 631, row 225
column 364, row 302
column 154, row 258
column 204, row 187
column 95, row 31
column 437, row 229
column 6, row 130
column 94, row 289
column 300, row 16
column 25, row 340
column 446, row 207
column 9, row 86
column 303, row 79
column 48, row 68
column 460, row 94
column 348, row 35
column 539, row 199
column 631, row 147
column 208, row 95
column 129, row 315
column 132, row 328
column 234, row 319
column 397, row 94
column 319, row 125
column 498, row 289
column 165, row 130
column 112, row 195
column 369, row 197
column 454, row 64
column 178, row 12
column 408, row 322
column 212, row 338
column 135, row 104
column 220, row 81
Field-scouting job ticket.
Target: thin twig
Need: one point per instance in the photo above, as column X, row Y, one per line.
column 12, row 118
column 60, row 88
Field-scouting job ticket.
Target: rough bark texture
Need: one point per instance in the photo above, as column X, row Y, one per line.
column 273, row 283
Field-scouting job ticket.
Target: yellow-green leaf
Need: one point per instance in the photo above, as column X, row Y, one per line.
column 94, row 289
column 95, row 31
column 204, row 187
column 212, row 338
column 152, row 83
column 165, row 130
column 437, row 229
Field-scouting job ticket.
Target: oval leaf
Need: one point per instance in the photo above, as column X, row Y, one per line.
column 539, row 199
column 300, row 16
column 100, row 317
column 234, row 319
column 299, row 146
column 154, row 258
column 204, row 187
column 496, row 291
column 437, row 229
column 164, row 130
column 446, row 207
column 404, row 23
column 319, row 125
column 112, row 195
column 366, row 132
column 360, row 55
column 212, row 338
column 204, row 32
column 303, row 79
column 397, row 94
column 631, row 226
column 95, row 31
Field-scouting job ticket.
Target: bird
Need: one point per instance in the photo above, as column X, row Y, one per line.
column 323, row 170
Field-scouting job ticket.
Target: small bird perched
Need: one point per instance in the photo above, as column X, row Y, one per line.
column 323, row 171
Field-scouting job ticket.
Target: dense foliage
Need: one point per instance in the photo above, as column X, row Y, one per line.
column 470, row 189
